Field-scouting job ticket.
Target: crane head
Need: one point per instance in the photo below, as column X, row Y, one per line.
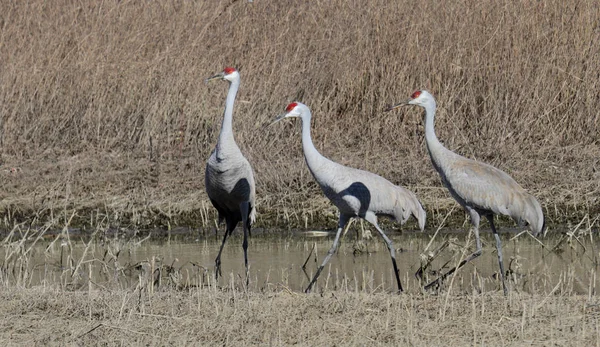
column 228, row 73
column 419, row 98
column 292, row 110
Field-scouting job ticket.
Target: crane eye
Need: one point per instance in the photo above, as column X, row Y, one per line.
column 291, row 106
column 228, row 70
column 416, row 94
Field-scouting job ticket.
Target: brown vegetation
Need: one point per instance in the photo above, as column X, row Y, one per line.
column 104, row 114
column 279, row 318
column 104, row 290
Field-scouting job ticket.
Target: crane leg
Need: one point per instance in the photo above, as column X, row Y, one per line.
column 499, row 250
column 245, row 210
column 475, row 222
column 228, row 231
column 371, row 218
column 343, row 220
column 218, row 260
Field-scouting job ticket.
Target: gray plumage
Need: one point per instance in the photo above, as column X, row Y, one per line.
column 229, row 178
column 356, row 193
column 481, row 189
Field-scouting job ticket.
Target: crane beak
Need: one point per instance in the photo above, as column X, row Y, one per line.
column 218, row 76
column 402, row 103
column 280, row 117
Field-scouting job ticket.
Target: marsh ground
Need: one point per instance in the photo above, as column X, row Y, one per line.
column 142, row 291
column 279, row 318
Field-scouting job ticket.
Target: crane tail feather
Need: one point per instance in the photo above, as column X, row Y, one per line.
column 409, row 205
column 420, row 215
column 252, row 215
column 543, row 230
column 533, row 215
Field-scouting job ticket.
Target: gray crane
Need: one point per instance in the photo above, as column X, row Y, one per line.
column 229, row 178
column 481, row 189
column 356, row 193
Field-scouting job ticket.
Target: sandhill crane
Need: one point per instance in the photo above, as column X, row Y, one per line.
column 479, row 188
column 356, row 193
column 229, row 178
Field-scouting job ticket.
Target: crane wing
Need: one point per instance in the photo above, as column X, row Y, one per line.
column 483, row 186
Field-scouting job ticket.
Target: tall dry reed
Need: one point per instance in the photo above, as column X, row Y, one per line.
column 103, row 109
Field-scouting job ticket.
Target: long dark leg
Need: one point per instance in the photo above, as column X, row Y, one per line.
column 228, row 231
column 499, row 250
column 371, row 218
column 343, row 220
column 475, row 222
column 245, row 209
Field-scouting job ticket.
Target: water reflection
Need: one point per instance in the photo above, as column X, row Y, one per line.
column 276, row 260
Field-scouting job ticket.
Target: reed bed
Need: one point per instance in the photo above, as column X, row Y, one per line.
column 104, row 113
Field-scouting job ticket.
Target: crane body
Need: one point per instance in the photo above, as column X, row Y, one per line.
column 356, row 193
column 481, row 189
column 229, row 178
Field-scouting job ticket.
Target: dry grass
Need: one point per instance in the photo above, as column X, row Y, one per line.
column 103, row 111
column 87, row 292
column 206, row 317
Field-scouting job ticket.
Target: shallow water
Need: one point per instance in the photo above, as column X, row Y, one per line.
column 276, row 260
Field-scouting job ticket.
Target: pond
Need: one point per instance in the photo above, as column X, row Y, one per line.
column 565, row 263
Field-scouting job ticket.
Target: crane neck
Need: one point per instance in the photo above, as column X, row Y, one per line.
column 226, row 134
column 433, row 144
column 311, row 154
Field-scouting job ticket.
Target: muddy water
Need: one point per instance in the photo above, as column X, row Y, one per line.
column 276, row 261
